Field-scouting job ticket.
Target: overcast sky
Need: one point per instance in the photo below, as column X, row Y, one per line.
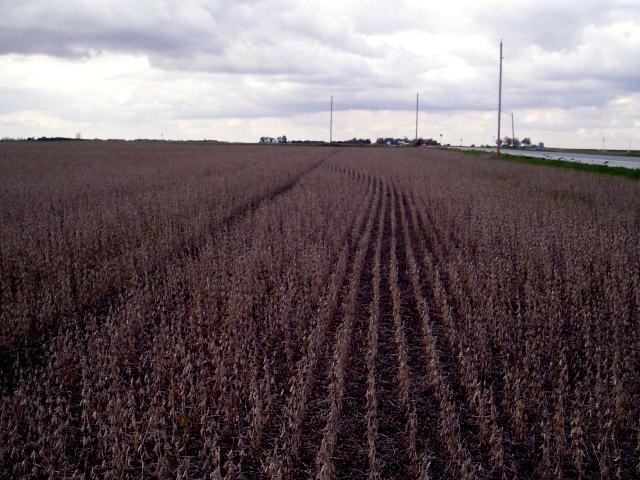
column 237, row 70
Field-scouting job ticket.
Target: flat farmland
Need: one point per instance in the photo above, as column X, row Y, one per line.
column 219, row 311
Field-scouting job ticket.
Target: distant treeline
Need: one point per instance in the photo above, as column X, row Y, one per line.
column 41, row 139
column 353, row 141
column 307, row 142
column 70, row 139
column 279, row 140
column 406, row 141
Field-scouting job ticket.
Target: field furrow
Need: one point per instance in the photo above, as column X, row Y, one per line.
column 355, row 449
column 373, row 333
column 477, row 401
column 340, row 367
column 286, row 371
column 431, row 351
column 292, row 442
column 400, row 318
column 390, row 425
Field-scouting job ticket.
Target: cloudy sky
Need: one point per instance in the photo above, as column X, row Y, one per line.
column 237, row 70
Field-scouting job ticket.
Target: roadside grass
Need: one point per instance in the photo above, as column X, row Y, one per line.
column 473, row 153
column 631, row 173
column 595, row 151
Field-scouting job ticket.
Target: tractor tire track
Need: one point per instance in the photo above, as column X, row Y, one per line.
column 31, row 354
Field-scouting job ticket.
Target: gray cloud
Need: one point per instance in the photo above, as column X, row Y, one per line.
column 76, row 28
column 214, row 59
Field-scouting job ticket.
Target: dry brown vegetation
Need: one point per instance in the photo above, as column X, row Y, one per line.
column 197, row 311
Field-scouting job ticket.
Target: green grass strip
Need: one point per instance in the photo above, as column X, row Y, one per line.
column 632, row 173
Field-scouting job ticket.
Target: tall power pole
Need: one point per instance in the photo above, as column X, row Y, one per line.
column 499, row 100
column 331, row 122
column 513, row 131
column 417, row 107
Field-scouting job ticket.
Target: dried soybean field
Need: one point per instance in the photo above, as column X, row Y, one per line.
column 201, row 311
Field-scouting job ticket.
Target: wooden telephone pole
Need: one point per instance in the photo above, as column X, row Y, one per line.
column 331, row 123
column 499, row 100
column 417, row 107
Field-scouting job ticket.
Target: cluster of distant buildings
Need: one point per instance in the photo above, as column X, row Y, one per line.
column 276, row 140
column 283, row 139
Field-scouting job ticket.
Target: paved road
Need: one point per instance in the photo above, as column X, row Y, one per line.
column 595, row 159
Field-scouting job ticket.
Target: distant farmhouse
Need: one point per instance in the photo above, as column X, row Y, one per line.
column 282, row 139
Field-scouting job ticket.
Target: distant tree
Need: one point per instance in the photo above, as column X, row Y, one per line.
column 508, row 141
column 526, row 141
column 284, row 139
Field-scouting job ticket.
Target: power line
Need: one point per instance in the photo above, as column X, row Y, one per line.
column 560, row 28
column 530, row 21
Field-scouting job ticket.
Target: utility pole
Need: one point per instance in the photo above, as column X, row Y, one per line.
column 513, row 131
column 499, row 101
column 417, row 106
column 331, row 123
column 603, row 144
